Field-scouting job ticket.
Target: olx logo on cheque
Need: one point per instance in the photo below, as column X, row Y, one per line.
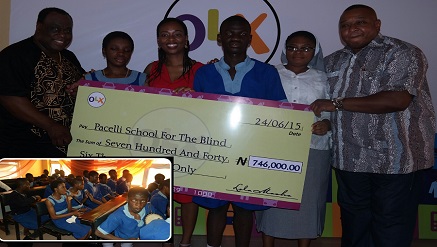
column 96, row 99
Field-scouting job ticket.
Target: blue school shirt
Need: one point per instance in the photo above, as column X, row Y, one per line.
column 79, row 197
column 135, row 78
column 253, row 79
column 156, row 230
column 123, row 224
column 94, row 190
column 48, row 191
column 112, row 184
column 160, row 202
column 122, row 187
column 105, row 191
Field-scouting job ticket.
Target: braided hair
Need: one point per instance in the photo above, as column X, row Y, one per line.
column 162, row 57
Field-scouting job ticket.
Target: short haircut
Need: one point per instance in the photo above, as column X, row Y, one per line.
column 45, row 12
column 55, row 184
column 111, row 171
column 137, row 191
column 152, row 187
column 304, row 34
column 77, row 180
column 165, row 183
column 358, row 6
column 101, row 175
column 29, row 175
column 93, row 174
column 117, row 34
column 235, row 18
column 159, row 176
column 361, row 6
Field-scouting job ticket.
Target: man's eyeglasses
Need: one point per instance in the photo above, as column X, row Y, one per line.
column 303, row 49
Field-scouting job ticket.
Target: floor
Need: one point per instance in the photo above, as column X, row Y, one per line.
column 198, row 241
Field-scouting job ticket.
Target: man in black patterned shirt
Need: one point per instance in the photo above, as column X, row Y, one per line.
column 38, row 77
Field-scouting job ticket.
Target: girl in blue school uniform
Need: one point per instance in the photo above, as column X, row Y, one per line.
column 124, row 184
column 125, row 222
column 61, row 213
column 117, row 49
column 78, row 195
column 92, row 190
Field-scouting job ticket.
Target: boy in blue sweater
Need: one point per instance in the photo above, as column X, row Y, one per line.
column 125, row 222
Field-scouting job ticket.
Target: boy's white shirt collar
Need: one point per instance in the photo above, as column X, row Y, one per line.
column 142, row 214
column 162, row 194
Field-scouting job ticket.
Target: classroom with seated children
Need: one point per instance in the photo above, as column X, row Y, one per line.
column 63, row 200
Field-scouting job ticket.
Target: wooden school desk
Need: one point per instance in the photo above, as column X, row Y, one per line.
column 99, row 214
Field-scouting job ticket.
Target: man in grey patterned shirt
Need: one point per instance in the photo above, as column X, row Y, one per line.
column 383, row 130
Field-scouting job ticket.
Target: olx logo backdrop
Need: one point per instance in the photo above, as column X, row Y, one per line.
column 204, row 18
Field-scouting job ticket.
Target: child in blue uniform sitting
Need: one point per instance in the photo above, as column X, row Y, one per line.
column 78, row 195
column 92, row 190
column 59, row 207
column 104, row 189
column 124, row 184
column 157, row 229
column 125, row 222
column 160, row 199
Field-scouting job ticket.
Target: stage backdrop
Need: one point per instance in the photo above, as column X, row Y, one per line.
column 272, row 21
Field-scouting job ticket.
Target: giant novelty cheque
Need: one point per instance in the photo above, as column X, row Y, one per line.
column 224, row 147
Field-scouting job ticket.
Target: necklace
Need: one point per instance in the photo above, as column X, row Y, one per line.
column 127, row 73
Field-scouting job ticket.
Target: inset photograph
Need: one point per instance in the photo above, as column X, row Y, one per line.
column 86, row 199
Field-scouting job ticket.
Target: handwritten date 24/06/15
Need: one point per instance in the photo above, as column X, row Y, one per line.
column 278, row 124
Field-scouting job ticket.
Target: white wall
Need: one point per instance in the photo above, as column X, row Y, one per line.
column 412, row 21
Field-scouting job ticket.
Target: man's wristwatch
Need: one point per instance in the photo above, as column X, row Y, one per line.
column 338, row 103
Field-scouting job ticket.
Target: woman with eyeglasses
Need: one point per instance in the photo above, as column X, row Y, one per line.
column 304, row 80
